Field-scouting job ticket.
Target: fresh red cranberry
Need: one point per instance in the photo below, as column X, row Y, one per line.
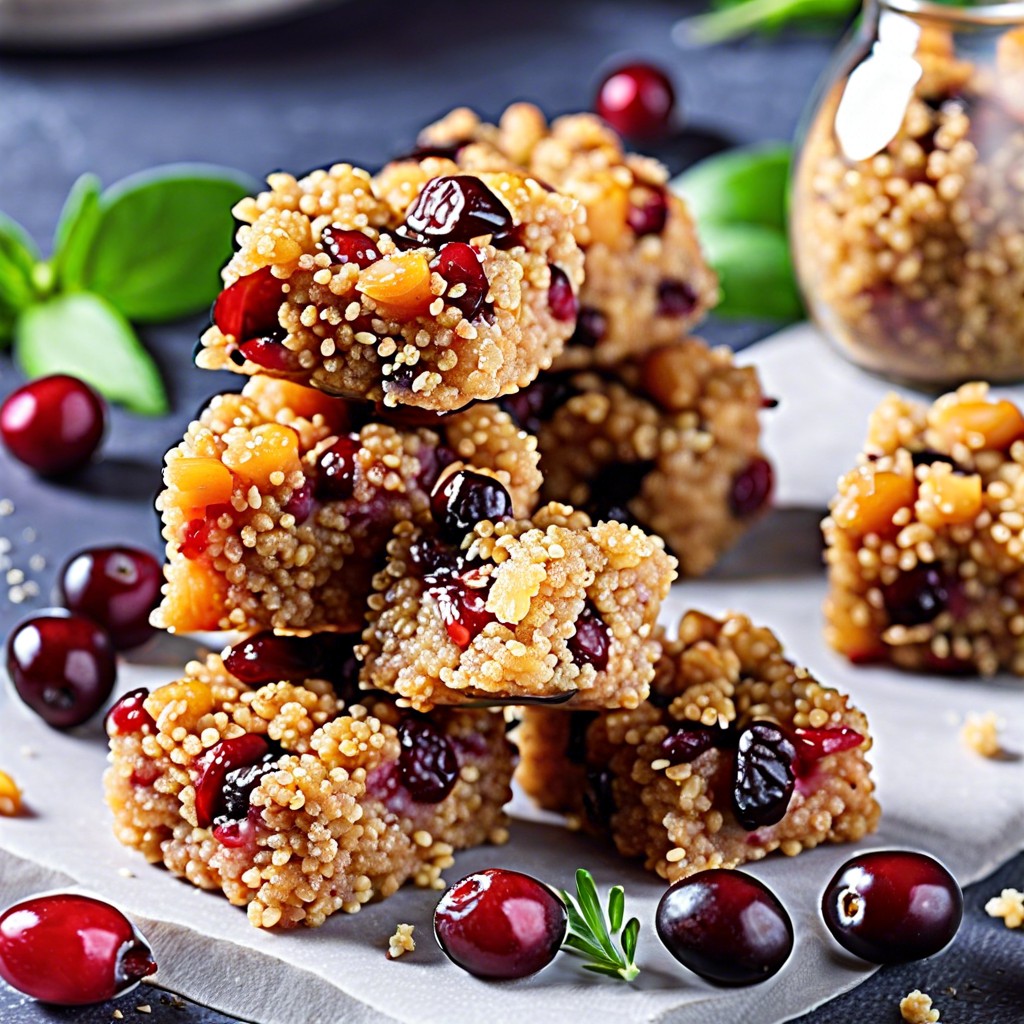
column 561, row 299
column 463, row 608
column 590, row 643
column 348, row 246
column 270, row 352
column 62, row 666
column 814, row 744
column 337, row 478
column 464, row 498
column 459, row 264
column 676, row 298
column 248, row 308
column 764, row 776
column 500, row 924
column 116, row 587
column 53, row 425
column 300, row 504
column 71, row 950
column 725, row 926
column 751, row 488
column 893, row 906
column 649, row 218
column 456, row 208
column 226, row 775
column 637, row 100
column 129, row 715
column 687, row 742
column 428, row 764
column 591, row 327
column 917, row 596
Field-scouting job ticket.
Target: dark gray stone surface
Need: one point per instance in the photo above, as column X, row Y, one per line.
column 356, row 83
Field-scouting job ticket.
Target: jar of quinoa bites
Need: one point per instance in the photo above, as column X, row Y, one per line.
column 908, row 194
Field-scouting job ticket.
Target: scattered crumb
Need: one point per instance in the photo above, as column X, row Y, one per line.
column 917, row 1008
column 401, row 942
column 1009, row 905
column 981, row 734
column 6, row 507
column 118, row 1015
column 126, row 872
column 146, row 1008
column 27, row 751
column 10, row 796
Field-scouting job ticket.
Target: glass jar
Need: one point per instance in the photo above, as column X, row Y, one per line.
column 907, row 215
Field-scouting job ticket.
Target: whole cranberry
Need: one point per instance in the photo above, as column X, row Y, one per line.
column 428, row 764
column 53, row 425
column 248, row 308
column 62, row 666
column 917, row 596
column 893, row 906
column 725, row 926
column 500, row 924
column 752, row 488
column 464, row 498
column 71, row 950
column 637, row 100
column 561, row 299
column 459, row 264
column 337, row 478
column 456, row 208
column 227, row 773
column 116, row 587
column 590, row 643
column 348, row 246
column 129, row 714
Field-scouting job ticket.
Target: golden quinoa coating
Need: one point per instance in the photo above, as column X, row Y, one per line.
column 295, row 804
column 548, row 608
column 339, row 282
column 646, row 279
column 260, row 534
column 670, row 441
column 925, row 540
column 624, row 773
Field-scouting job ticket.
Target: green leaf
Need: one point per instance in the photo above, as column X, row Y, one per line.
column 610, row 972
column 578, row 944
column 18, row 257
column 75, row 231
column 629, row 938
column 83, row 335
column 747, row 185
column 616, row 907
column 734, row 18
column 754, row 270
column 162, row 237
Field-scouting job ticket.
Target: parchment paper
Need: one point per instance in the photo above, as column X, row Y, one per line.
column 936, row 794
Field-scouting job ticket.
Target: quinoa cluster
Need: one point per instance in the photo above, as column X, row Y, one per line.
column 926, row 538
column 350, row 285
column 328, row 821
column 547, row 608
column 279, row 502
column 646, row 281
column 626, row 774
column 912, row 259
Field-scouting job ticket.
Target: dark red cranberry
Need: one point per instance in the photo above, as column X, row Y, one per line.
column 71, row 950
column 725, row 926
column 500, row 924
column 129, row 715
column 53, row 425
column 195, row 536
column 464, row 498
column 590, row 643
column 676, row 298
column 337, row 477
column 928, row 457
column 227, row 773
column 270, row 352
column 614, row 487
column 428, row 765
column 248, row 308
column 917, row 596
column 562, row 299
column 637, row 100
column 116, row 587
column 62, row 666
column 300, row 504
column 751, row 488
column 348, row 246
column 687, row 742
column 447, row 151
column 591, row 327
column 463, row 608
column 532, row 406
column 599, row 797
column 814, row 744
column 459, row 264
column 237, row 832
column 268, row 658
column 893, row 906
column 764, row 776
column 431, row 556
column 456, row 208
column 649, row 217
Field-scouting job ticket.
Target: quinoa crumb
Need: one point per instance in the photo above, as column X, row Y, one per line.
column 144, row 1008
column 10, row 796
column 916, row 1008
column 1009, row 905
column 981, row 734
column 401, row 942
column 118, row 1015
column 126, row 872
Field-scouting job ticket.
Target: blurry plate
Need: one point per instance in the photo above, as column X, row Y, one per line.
column 77, row 24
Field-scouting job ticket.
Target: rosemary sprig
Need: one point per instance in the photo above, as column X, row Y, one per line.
column 591, row 931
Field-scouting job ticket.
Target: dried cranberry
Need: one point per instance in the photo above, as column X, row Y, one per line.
column 195, row 535
column 300, row 503
column 650, row 217
column 348, row 246
column 268, row 658
column 599, row 797
column 562, row 299
column 446, row 150
column 676, row 298
column 764, row 777
column 576, row 744
column 463, row 608
column 533, row 406
column 428, row 764
column 590, row 643
column 687, row 742
column 751, row 488
column 227, row 773
column 814, row 744
column 270, row 352
column 460, row 265
column 916, row 597
column 928, row 457
column 129, row 715
column 432, row 556
column 456, row 208
column 637, row 100
column 591, row 327
column 464, row 498
column 337, row 478
column 614, row 487
column 248, row 308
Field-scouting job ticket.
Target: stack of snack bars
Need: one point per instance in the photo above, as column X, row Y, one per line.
column 475, row 443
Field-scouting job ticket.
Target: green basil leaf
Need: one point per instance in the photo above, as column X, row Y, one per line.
column 755, row 273
column 746, row 185
column 18, row 257
column 162, row 237
column 85, row 336
column 75, row 231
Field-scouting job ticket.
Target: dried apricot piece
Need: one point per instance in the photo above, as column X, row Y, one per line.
column 195, row 483
column 947, row 498
column 270, row 448
column 400, row 283
column 979, row 425
column 868, row 501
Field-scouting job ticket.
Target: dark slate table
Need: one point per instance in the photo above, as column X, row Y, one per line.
column 356, row 83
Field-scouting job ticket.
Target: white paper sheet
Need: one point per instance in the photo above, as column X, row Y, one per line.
column 936, row 795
